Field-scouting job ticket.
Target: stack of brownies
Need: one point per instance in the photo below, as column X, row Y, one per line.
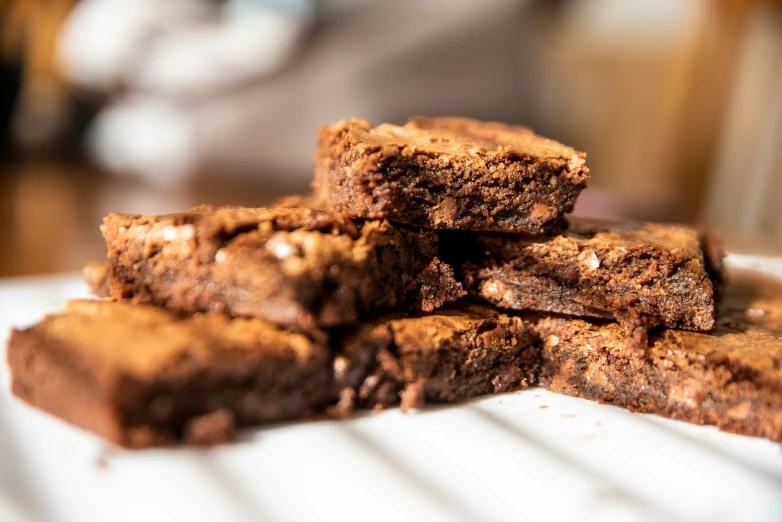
column 432, row 262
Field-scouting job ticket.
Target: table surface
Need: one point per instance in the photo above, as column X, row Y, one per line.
column 530, row 455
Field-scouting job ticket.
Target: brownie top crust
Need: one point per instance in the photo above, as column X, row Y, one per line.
column 474, row 138
column 464, row 137
column 435, row 331
column 680, row 240
column 143, row 340
column 203, row 230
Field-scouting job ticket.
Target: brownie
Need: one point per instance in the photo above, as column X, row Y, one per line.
column 448, row 173
column 460, row 351
column 142, row 376
column 96, row 275
column 296, row 267
column 643, row 275
column 730, row 378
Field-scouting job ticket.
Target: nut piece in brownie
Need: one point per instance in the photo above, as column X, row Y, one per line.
column 141, row 376
column 449, row 173
column 460, row 351
column 731, row 378
column 296, row 267
column 643, row 275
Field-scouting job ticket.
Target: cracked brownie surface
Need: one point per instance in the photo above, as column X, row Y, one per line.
column 449, row 173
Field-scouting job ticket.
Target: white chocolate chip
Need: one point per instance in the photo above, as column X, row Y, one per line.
column 575, row 162
column 589, row 260
column 220, row 256
column 340, row 367
column 278, row 246
column 740, row 411
column 182, row 233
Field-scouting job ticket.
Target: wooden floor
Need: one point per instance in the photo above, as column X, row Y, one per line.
column 50, row 212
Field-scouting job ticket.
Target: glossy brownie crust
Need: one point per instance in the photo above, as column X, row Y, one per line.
column 141, row 376
column 731, row 378
column 642, row 275
column 449, row 173
column 295, row 267
column 460, row 351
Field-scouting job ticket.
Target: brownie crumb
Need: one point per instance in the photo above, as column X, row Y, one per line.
column 345, row 405
column 412, row 396
column 96, row 275
column 217, row 427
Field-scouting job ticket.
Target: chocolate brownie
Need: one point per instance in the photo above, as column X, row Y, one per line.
column 96, row 275
column 296, row 267
column 142, row 376
column 449, row 355
column 731, row 378
column 643, row 275
column 449, row 173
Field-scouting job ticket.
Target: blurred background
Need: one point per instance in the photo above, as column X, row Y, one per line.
column 151, row 107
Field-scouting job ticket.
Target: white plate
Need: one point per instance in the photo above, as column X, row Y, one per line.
column 520, row 456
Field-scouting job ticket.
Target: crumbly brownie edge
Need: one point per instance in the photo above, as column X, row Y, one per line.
column 381, row 363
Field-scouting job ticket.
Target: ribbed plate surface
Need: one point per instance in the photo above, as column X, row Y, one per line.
column 526, row 456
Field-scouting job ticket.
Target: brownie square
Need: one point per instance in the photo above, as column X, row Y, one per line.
column 142, row 376
column 449, row 173
column 643, row 275
column 295, row 267
column 460, row 351
column 730, row 378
